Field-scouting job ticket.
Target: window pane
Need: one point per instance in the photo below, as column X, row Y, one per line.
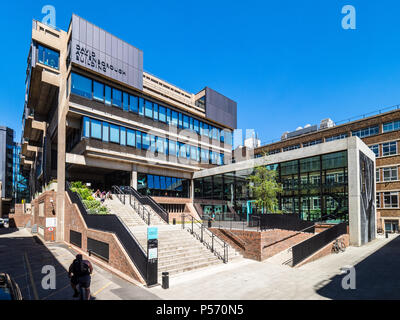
column 86, row 127
column 98, row 91
column 168, row 115
column 123, row 136
column 141, row 106
column 172, row 148
column 185, row 122
column 114, row 133
column 106, row 131
column 96, row 129
column 130, row 137
column 162, row 115
column 116, row 97
column 138, row 140
column 134, row 104
column 81, row 86
column 155, row 113
column 145, row 141
column 180, row 120
column 196, row 126
column 174, row 116
column 125, row 101
column 148, row 109
column 108, row 95
column 48, row 57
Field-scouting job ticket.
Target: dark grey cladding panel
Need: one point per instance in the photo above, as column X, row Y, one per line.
column 302, row 131
column 106, row 54
column 220, row 108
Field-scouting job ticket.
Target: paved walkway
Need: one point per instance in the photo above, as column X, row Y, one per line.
column 23, row 257
column 376, row 264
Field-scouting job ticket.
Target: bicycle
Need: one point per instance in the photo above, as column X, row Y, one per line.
column 338, row 246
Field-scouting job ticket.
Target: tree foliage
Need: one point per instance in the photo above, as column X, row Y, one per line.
column 265, row 188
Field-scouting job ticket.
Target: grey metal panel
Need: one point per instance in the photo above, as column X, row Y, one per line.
column 302, row 131
column 220, row 108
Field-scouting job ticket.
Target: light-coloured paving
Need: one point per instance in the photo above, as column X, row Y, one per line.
column 248, row 279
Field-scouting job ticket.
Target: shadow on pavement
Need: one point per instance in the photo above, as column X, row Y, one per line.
column 377, row 277
column 23, row 259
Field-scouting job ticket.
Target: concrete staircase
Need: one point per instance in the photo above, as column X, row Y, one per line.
column 155, row 219
column 125, row 212
column 179, row 251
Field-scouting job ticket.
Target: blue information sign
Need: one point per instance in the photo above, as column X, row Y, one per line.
column 152, row 233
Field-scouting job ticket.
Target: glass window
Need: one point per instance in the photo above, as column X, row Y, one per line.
column 310, row 164
column 134, row 104
column 334, row 160
column 185, row 122
column 155, row 111
column 390, row 174
column 182, row 150
column 114, row 133
column 389, row 148
column 123, row 136
column 96, row 129
column 390, row 199
column 168, row 116
column 148, row 109
column 81, row 86
column 162, row 115
column 116, row 97
column 130, row 137
column 391, row 126
column 98, row 91
column 48, row 57
column 108, row 95
column 205, row 129
column 86, row 127
column 160, row 145
column 172, row 148
column 180, row 124
column 145, row 141
column 174, row 118
column 106, row 131
column 375, row 149
column 378, row 176
column 193, row 153
column 152, row 143
column 138, row 140
column 338, row 137
column 141, row 106
column 366, row 132
column 125, row 101
column 196, row 126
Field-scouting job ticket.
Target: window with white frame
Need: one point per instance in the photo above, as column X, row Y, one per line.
column 378, row 177
column 378, row 200
column 391, row 199
column 390, row 174
column 389, row 148
column 375, row 149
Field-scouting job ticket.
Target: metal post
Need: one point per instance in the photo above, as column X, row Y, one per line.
column 212, row 243
column 183, row 221
column 202, row 230
column 192, row 224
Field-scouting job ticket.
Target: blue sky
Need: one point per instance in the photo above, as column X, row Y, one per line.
column 286, row 63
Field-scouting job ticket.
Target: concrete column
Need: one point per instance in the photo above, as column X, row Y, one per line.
column 192, row 189
column 134, row 179
column 1, row 201
column 61, row 177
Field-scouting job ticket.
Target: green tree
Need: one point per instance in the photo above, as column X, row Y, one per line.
column 265, row 188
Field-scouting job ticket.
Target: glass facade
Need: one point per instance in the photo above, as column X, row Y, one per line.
column 366, row 132
column 91, row 89
column 108, row 132
column 162, row 186
column 312, row 187
column 48, row 57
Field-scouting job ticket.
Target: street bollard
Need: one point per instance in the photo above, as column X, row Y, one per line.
column 165, row 280
column 174, row 221
column 387, row 234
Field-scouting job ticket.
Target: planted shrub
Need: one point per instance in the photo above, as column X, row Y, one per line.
column 92, row 205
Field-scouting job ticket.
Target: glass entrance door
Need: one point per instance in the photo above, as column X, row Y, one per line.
column 392, row 226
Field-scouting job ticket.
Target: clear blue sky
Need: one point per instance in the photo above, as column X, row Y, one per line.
column 286, row 63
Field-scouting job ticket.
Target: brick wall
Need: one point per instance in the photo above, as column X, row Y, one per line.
column 19, row 218
column 325, row 250
column 49, row 211
column 118, row 258
column 261, row 245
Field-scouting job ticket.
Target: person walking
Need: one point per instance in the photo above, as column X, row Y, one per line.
column 79, row 272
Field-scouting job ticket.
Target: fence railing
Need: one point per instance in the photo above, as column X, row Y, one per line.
column 209, row 239
column 147, row 200
column 306, row 248
column 113, row 224
column 231, row 222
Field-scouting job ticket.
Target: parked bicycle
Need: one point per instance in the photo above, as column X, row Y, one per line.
column 338, row 246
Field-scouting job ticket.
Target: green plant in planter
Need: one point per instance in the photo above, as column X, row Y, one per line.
column 93, row 206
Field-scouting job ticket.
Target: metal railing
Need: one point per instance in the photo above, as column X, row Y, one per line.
column 147, row 200
column 140, row 209
column 113, row 224
column 206, row 237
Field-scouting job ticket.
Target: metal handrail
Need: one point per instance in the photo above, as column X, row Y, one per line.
column 200, row 235
column 117, row 191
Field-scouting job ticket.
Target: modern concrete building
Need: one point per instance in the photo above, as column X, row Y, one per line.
column 6, row 166
column 380, row 132
column 92, row 114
